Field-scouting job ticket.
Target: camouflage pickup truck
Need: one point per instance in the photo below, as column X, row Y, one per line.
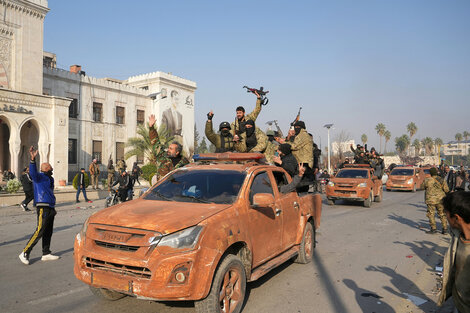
column 355, row 182
column 201, row 233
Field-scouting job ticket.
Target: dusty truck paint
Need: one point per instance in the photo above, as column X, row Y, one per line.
column 355, row 182
column 407, row 178
column 169, row 248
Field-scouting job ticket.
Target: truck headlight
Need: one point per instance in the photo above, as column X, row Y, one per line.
column 330, row 183
column 410, row 181
column 81, row 236
column 362, row 185
column 185, row 239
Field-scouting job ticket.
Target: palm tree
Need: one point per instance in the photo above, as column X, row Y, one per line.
column 417, row 145
column 402, row 143
column 411, row 128
column 458, row 137
column 437, row 144
column 387, row 135
column 142, row 146
column 364, row 139
column 428, row 144
column 380, row 129
column 466, row 134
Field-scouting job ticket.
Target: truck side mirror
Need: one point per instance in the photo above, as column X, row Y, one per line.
column 263, row 200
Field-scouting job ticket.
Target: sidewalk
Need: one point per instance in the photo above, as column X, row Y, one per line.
column 64, row 194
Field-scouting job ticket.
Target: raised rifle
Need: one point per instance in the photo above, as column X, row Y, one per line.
column 270, row 123
column 297, row 118
column 260, row 92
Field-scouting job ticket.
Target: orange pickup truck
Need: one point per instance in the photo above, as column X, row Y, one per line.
column 406, row 178
column 199, row 234
column 355, row 182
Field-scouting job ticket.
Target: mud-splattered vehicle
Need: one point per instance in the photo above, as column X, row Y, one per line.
column 200, row 234
column 406, row 178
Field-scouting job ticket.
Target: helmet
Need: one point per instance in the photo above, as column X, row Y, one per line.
column 224, row 125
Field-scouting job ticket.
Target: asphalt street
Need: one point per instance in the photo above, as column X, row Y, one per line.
column 376, row 259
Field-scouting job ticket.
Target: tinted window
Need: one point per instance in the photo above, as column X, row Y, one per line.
column 426, row 171
column 261, row 184
column 352, row 174
column 211, row 186
column 280, row 178
column 402, row 171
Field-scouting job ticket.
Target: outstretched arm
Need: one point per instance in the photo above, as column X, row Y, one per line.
column 153, row 133
column 33, row 171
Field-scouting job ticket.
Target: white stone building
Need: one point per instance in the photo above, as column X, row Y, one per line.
column 344, row 146
column 461, row 148
column 71, row 117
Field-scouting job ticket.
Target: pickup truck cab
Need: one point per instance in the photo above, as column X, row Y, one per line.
column 355, row 182
column 406, row 178
column 199, row 234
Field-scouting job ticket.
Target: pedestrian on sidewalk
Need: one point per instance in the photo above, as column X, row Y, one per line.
column 456, row 272
column 27, row 183
column 95, row 173
column 110, row 174
column 43, row 186
column 435, row 190
column 81, row 182
column 136, row 172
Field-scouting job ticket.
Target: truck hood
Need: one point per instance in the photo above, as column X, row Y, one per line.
column 337, row 180
column 162, row 216
column 400, row 177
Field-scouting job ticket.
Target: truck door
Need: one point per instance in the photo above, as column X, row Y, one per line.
column 265, row 225
column 289, row 205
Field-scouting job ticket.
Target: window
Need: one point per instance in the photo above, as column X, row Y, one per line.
column 280, row 178
column 120, row 115
column 72, row 151
column 261, row 184
column 73, row 108
column 97, row 112
column 96, row 154
column 140, row 117
column 145, row 87
column 119, row 151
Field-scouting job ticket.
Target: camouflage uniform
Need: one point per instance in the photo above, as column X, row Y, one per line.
column 436, row 189
column 271, row 147
column 216, row 139
column 252, row 116
column 302, row 148
column 160, row 158
column 261, row 138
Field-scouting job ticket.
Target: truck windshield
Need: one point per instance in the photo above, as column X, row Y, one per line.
column 204, row 186
column 402, row 171
column 427, row 171
column 352, row 174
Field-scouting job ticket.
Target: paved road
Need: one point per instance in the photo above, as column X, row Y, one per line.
column 366, row 260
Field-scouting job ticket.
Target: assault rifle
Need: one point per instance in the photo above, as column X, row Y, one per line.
column 270, row 123
column 297, row 118
column 260, row 92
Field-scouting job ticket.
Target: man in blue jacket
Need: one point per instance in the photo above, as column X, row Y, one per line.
column 43, row 184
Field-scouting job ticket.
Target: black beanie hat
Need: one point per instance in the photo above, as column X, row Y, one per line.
column 250, row 122
column 285, row 148
column 300, row 123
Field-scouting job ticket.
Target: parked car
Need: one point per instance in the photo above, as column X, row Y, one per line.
column 199, row 234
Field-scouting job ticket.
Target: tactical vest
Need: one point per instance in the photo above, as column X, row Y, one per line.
column 226, row 144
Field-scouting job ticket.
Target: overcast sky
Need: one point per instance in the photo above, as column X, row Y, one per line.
column 351, row 63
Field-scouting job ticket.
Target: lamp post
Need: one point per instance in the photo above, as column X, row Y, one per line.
column 328, row 126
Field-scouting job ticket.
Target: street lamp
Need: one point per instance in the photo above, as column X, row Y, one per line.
column 328, row 126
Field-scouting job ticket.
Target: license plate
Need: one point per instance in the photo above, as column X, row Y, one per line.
column 115, row 236
column 105, row 280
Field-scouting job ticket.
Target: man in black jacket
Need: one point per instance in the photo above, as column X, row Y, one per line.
column 449, row 177
column 286, row 160
column 27, row 183
column 124, row 182
column 82, row 183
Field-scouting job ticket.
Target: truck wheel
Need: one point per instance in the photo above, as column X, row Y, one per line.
column 378, row 198
column 227, row 293
column 331, row 202
column 414, row 188
column 106, row 294
column 307, row 245
column 368, row 201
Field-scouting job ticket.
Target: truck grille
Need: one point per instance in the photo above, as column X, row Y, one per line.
column 116, row 246
column 128, row 270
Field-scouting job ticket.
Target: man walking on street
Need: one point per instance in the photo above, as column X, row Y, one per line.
column 435, row 190
column 456, row 272
column 27, row 183
column 82, row 184
column 43, row 185
column 110, row 174
column 95, row 173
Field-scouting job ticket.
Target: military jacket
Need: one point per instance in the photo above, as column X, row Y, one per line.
column 235, row 126
column 302, row 148
column 216, row 139
column 271, row 147
column 261, row 138
column 436, row 189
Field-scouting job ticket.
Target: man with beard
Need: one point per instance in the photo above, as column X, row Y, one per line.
column 43, row 185
column 173, row 158
column 223, row 142
column 449, row 177
column 238, row 126
column 255, row 140
column 125, row 184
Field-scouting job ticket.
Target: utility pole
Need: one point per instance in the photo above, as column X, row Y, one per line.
column 328, row 126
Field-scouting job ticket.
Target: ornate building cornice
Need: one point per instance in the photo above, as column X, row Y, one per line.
column 26, row 7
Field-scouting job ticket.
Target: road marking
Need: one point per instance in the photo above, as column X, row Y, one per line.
column 59, row 295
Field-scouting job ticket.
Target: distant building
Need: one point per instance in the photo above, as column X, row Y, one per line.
column 344, row 146
column 71, row 117
column 461, row 148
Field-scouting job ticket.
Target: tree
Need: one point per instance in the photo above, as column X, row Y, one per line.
column 458, row 137
column 466, row 134
column 428, row 144
column 142, row 146
column 411, row 128
column 196, row 139
column 203, row 147
column 380, row 129
column 437, row 144
column 364, row 139
column 417, row 145
column 402, row 143
column 212, row 148
column 387, row 135
column 342, row 137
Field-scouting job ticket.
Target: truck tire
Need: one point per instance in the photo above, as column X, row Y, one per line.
column 229, row 281
column 378, row 198
column 368, row 201
column 106, row 294
column 307, row 245
column 330, row 201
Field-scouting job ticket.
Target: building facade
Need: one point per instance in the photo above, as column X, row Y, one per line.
column 73, row 118
column 461, row 148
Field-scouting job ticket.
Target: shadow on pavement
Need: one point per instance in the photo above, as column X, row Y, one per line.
column 24, row 238
column 406, row 221
column 424, row 250
column 368, row 300
column 418, row 205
